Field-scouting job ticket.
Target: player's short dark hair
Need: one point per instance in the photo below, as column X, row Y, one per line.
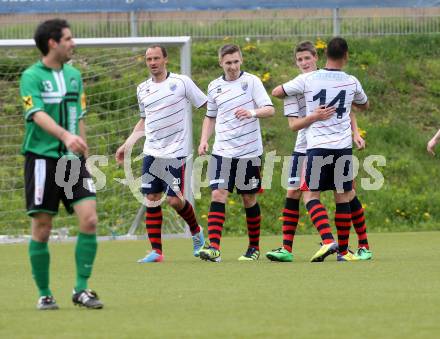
column 305, row 46
column 337, row 48
column 228, row 49
column 163, row 49
column 50, row 29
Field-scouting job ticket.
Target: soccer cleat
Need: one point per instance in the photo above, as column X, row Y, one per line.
column 363, row 254
column 210, row 254
column 87, row 298
column 252, row 254
column 347, row 257
column 280, row 254
column 47, row 302
column 198, row 241
column 324, row 251
column 153, row 256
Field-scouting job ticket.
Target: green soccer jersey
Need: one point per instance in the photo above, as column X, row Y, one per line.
column 58, row 93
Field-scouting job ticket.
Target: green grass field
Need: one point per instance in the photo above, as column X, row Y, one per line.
column 396, row 295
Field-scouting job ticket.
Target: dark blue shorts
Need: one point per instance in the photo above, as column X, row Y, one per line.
column 227, row 173
column 329, row 170
column 296, row 170
column 163, row 175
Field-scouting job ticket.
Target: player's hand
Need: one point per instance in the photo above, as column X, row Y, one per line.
column 203, row 148
column 242, row 114
column 431, row 146
column 323, row 113
column 359, row 141
column 120, row 153
column 74, row 143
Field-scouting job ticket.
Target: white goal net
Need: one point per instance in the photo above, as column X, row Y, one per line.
column 111, row 68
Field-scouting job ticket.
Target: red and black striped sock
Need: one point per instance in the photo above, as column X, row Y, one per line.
column 343, row 225
column 290, row 222
column 187, row 213
column 153, row 225
column 253, row 220
column 319, row 217
column 216, row 219
column 358, row 220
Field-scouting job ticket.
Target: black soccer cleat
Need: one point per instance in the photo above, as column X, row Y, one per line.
column 47, row 302
column 88, row 299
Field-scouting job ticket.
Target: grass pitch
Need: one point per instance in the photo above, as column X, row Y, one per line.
column 396, row 295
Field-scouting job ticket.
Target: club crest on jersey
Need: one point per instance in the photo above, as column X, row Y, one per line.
column 173, row 86
column 244, row 85
column 74, row 84
column 219, row 90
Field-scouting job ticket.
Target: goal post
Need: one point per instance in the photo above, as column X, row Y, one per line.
column 99, row 75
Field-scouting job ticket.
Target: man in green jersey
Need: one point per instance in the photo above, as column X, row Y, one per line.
column 55, row 150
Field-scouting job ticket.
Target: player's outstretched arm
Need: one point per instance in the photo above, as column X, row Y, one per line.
column 433, row 142
column 73, row 142
column 320, row 113
column 207, row 130
column 278, row 92
column 138, row 132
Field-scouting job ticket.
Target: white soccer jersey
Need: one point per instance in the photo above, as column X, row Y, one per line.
column 331, row 88
column 295, row 106
column 236, row 138
column 165, row 107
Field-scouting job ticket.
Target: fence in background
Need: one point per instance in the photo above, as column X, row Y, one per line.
column 249, row 23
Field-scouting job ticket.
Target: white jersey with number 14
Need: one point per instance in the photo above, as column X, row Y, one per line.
column 330, row 88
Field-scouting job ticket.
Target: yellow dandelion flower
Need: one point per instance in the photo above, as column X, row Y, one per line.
column 397, row 211
column 280, row 218
column 387, row 220
column 231, row 202
column 249, row 48
column 426, row 215
column 362, row 132
column 364, row 67
column 320, row 44
column 266, row 77
column 364, row 206
column 204, row 216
